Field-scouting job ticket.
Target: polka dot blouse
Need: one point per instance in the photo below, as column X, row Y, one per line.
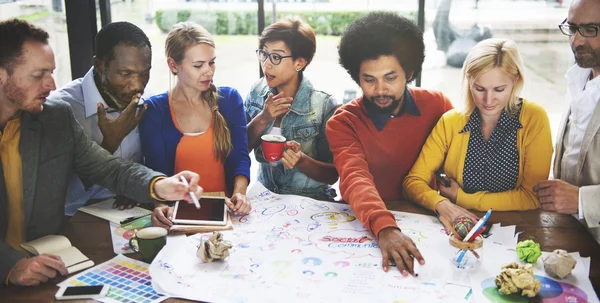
column 492, row 165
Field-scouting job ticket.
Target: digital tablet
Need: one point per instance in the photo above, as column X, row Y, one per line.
column 213, row 211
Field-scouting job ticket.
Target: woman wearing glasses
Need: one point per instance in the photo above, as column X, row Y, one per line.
column 195, row 125
column 285, row 103
column 493, row 152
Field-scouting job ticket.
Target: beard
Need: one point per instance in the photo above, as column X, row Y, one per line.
column 384, row 110
column 587, row 61
column 18, row 98
column 118, row 98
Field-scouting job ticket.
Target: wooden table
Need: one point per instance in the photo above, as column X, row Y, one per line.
column 92, row 236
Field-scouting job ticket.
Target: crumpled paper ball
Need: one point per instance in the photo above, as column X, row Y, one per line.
column 559, row 263
column 528, row 251
column 214, row 248
column 515, row 278
column 462, row 225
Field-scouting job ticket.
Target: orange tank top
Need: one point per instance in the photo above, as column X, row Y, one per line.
column 195, row 152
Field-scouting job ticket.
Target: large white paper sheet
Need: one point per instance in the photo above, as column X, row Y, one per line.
column 305, row 250
column 295, row 249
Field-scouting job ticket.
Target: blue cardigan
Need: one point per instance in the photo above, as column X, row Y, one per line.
column 160, row 137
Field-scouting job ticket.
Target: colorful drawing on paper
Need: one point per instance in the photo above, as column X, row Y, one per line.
column 121, row 234
column 312, row 251
column 333, row 217
column 129, row 281
column 550, row 292
column 353, row 243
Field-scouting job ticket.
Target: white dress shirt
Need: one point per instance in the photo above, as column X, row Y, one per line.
column 583, row 95
column 83, row 95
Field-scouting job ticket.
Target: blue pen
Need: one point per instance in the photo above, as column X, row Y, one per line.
column 473, row 231
column 460, row 257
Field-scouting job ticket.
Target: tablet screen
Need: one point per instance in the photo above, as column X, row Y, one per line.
column 211, row 210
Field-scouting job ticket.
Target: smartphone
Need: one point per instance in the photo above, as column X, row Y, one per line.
column 82, row 292
column 485, row 231
column 441, row 177
column 487, row 228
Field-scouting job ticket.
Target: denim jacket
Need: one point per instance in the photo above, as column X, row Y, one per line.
column 304, row 123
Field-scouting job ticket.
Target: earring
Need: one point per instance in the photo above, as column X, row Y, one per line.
column 298, row 69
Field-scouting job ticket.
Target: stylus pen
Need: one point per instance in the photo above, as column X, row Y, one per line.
column 192, row 194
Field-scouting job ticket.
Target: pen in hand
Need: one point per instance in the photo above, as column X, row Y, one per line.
column 192, row 194
column 416, row 266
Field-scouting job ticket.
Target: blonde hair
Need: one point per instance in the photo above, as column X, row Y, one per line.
column 182, row 36
column 485, row 56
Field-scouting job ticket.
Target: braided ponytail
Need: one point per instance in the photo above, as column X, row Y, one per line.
column 223, row 144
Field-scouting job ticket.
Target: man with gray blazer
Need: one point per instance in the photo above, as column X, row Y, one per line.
column 576, row 185
column 41, row 143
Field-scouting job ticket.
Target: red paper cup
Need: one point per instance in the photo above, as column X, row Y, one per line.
column 272, row 146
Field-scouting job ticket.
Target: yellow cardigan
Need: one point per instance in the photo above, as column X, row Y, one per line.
column 446, row 147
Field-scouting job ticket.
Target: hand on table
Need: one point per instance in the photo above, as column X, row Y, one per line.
column 162, row 216
column 399, row 247
column 239, row 204
column 558, row 196
column 450, row 211
column 122, row 202
column 35, row 270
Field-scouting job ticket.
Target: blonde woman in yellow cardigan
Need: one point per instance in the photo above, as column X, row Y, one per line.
column 495, row 151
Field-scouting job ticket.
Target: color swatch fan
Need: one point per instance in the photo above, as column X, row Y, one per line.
column 128, row 279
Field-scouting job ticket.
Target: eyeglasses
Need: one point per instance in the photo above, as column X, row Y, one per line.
column 588, row 30
column 275, row 58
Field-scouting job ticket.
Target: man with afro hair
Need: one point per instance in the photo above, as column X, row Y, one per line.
column 376, row 138
column 106, row 102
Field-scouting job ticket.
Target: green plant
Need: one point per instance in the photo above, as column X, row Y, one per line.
column 183, row 16
column 246, row 22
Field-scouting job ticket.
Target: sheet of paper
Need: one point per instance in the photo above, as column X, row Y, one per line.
column 128, row 279
column 47, row 245
column 586, row 265
column 314, row 251
column 121, row 234
column 105, row 211
column 504, row 235
column 305, row 250
column 176, row 239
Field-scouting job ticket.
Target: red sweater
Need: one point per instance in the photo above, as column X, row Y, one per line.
column 372, row 164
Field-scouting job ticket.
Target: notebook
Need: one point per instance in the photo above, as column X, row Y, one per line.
column 105, row 211
column 60, row 246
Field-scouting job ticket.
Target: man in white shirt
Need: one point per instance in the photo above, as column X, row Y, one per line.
column 576, row 185
column 107, row 104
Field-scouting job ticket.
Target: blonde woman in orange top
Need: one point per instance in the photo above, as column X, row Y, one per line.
column 196, row 126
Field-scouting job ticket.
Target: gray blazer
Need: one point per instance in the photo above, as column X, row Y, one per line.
column 53, row 145
column 588, row 169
